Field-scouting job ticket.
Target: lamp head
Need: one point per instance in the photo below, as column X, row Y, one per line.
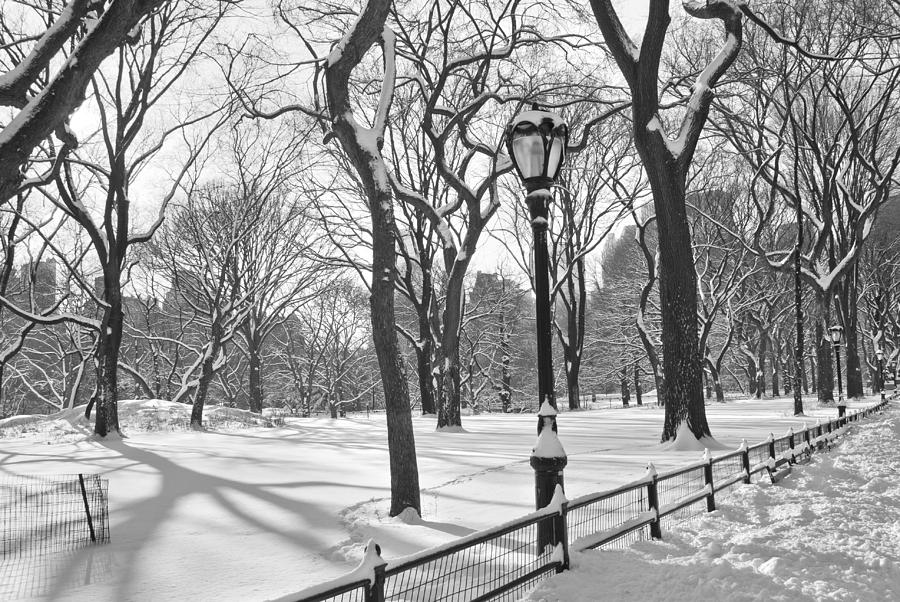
column 836, row 333
column 536, row 142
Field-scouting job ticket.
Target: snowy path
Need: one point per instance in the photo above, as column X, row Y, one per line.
column 830, row 530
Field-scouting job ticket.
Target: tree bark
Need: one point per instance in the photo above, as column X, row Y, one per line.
column 423, row 363
column 505, row 373
column 255, row 366
column 825, row 378
column 678, row 293
column 849, row 294
column 637, row 385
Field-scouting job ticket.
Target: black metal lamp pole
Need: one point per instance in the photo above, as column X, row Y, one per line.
column 879, row 380
column 836, row 332
column 536, row 141
column 798, row 309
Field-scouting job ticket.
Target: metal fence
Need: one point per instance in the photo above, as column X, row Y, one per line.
column 504, row 563
column 42, row 514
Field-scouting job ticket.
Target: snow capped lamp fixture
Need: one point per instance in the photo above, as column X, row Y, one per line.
column 836, row 333
column 536, row 141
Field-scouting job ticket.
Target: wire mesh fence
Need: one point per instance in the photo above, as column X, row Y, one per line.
column 594, row 514
column 501, row 563
column 677, row 485
column 727, row 466
column 44, row 514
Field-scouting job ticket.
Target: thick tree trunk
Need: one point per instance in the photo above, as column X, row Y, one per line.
column 678, row 298
column 256, row 388
column 505, row 373
column 825, row 376
column 623, row 385
column 714, row 375
column 752, row 378
column 366, row 159
column 776, row 368
column 106, row 419
column 423, row 363
column 207, row 372
column 449, row 411
column 638, row 391
column 849, row 301
column 761, row 368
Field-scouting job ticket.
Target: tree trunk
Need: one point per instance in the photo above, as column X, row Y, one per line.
column 776, row 368
column 256, row 389
column 637, row 386
column 106, row 419
column 849, row 301
column 761, row 368
column 752, row 378
column 623, row 384
column 206, row 375
column 714, row 375
column 449, row 412
column 505, row 374
column 369, row 164
column 678, row 295
column 423, row 363
column 825, row 376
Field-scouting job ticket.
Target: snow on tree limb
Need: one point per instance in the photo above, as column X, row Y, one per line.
column 49, row 109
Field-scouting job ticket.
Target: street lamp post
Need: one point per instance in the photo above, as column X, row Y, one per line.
column 536, row 141
column 836, row 334
column 880, row 380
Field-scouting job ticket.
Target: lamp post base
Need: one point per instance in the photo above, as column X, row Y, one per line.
column 548, row 473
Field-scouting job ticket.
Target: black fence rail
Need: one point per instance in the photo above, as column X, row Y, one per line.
column 43, row 514
column 504, row 563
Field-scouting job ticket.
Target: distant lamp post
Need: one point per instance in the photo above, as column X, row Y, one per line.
column 879, row 353
column 837, row 332
column 536, row 141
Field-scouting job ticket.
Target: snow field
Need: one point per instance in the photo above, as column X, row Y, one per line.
column 256, row 513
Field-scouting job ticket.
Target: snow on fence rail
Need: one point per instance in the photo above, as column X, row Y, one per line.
column 503, row 563
column 41, row 514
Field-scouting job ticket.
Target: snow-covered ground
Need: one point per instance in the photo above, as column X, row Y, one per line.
column 249, row 513
column 829, row 531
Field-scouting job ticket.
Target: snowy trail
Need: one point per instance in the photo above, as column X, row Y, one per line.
column 830, row 530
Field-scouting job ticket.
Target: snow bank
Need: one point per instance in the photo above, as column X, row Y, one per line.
column 135, row 415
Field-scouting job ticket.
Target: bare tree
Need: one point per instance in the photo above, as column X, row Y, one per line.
column 95, row 29
column 820, row 139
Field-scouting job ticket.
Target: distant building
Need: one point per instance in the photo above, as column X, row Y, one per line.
column 37, row 280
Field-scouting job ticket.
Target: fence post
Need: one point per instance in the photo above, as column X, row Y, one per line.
column 708, row 477
column 791, row 443
column 87, row 508
column 653, row 500
column 375, row 591
column 561, row 526
column 772, row 449
column 745, row 460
